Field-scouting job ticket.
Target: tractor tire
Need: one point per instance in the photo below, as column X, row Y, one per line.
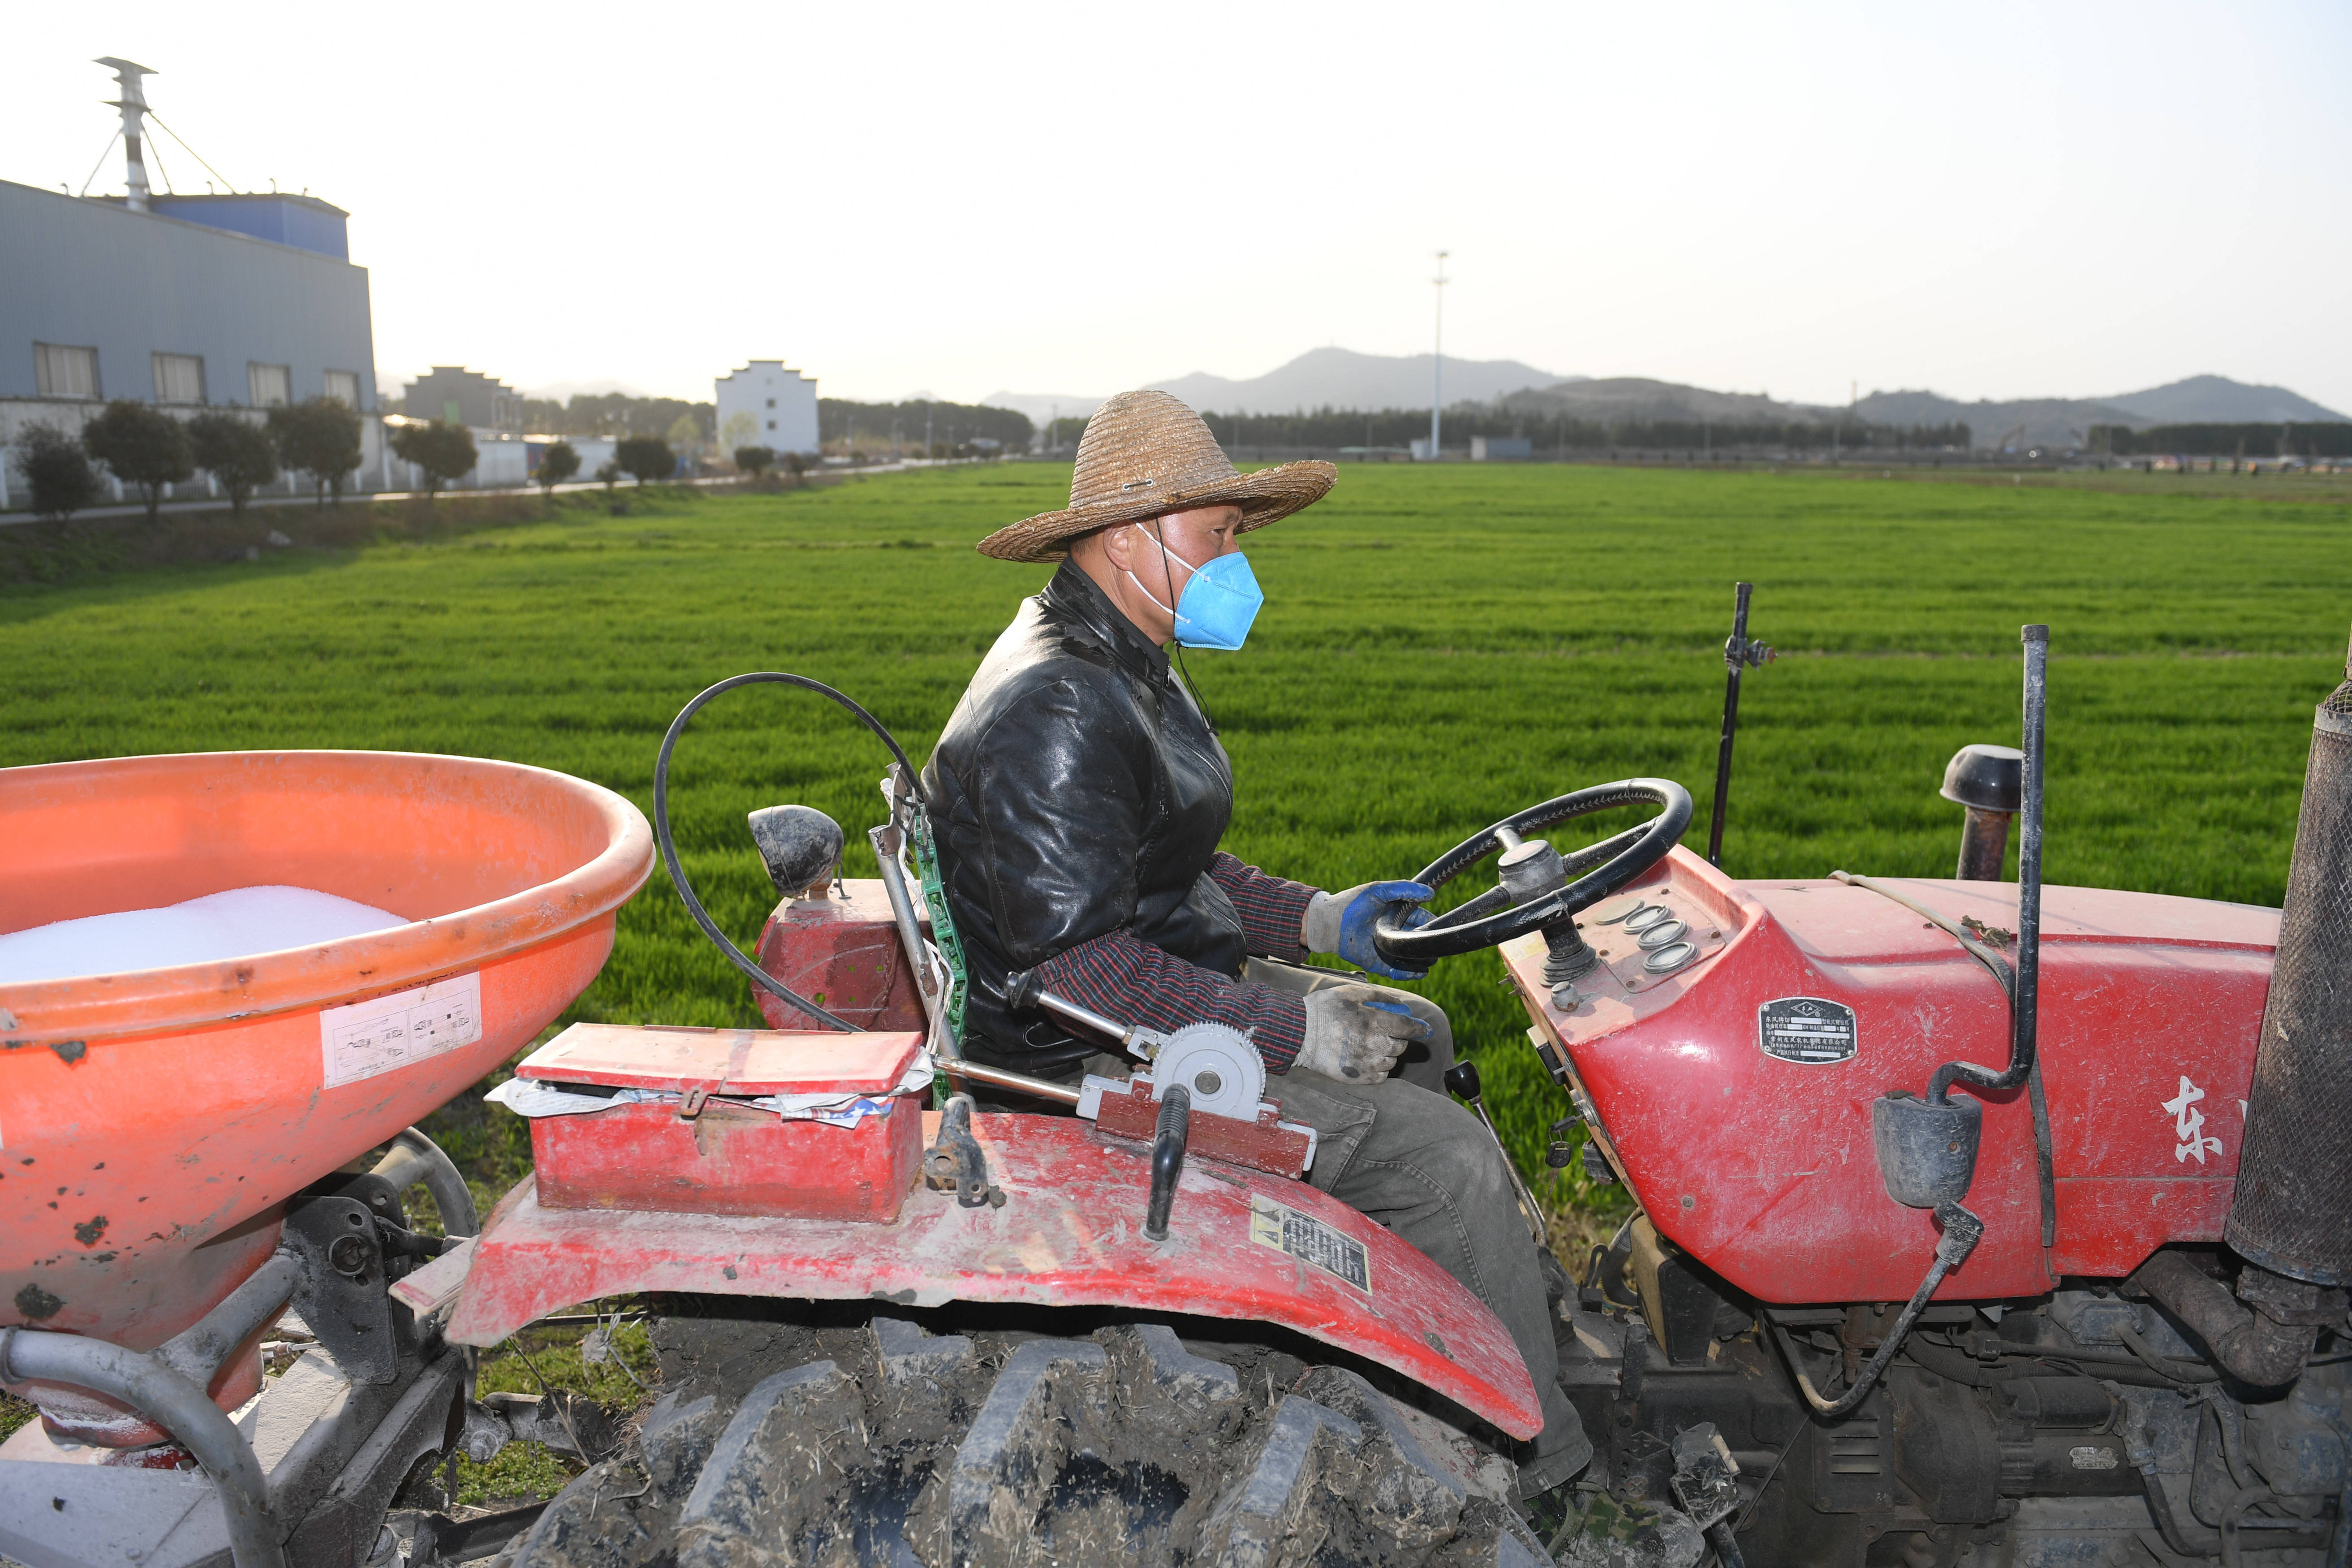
column 838, row 1435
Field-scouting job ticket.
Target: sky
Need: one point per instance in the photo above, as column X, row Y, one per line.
column 1988, row 201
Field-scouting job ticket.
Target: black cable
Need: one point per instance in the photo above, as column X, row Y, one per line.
column 1206, row 718
column 1963, row 1231
column 759, row 976
column 1167, row 581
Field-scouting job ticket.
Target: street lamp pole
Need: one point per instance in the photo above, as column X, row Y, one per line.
column 1438, row 362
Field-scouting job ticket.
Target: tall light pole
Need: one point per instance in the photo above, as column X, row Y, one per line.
column 1437, row 361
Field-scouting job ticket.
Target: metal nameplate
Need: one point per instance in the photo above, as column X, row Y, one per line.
column 1309, row 1240
column 1807, row 1029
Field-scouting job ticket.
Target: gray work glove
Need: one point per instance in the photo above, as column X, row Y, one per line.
column 1356, row 1034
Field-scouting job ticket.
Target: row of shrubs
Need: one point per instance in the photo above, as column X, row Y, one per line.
column 148, row 450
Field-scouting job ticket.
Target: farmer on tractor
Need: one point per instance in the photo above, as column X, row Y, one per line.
column 1079, row 794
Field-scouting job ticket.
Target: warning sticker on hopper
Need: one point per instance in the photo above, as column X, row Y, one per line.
column 389, row 1032
column 1309, row 1240
column 1807, row 1029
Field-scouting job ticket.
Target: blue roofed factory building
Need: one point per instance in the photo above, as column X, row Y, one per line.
column 304, row 221
column 237, row 302
column 97, row 300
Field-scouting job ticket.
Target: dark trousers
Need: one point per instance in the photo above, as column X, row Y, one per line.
column 1407, row 1153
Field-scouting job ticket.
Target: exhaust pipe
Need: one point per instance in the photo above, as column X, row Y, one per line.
column 1989, row 781
column 2265, row 1345
column 2293, row 1211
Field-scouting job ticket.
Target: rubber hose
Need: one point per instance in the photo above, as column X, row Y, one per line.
column 758, row 976
column 2246, row 1344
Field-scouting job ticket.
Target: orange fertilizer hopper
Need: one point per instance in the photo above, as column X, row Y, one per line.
column 155, row 1122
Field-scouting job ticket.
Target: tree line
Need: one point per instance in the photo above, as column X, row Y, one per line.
column 1402, row 427
column 148, row 450
column 621, row 415
column 950, row 428
column 2319, row 440
column 616, row 414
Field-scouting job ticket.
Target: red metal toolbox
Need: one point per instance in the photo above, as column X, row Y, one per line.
column 709, row 1151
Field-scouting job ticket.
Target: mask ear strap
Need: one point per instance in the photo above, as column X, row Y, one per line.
column 1166, row 577
column 1167, row 572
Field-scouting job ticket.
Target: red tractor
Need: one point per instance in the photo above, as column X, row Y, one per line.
column 1975, row 1222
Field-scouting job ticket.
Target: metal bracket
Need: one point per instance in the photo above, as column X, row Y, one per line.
column 342, row 1293
column 1751, row 652
column 955, row 1162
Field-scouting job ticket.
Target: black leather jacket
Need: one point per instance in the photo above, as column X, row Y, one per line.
column 1078, row 788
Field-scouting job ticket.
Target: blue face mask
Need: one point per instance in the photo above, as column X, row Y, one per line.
column 1218, row 602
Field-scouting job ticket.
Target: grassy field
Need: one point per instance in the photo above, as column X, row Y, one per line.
column 1439, row 648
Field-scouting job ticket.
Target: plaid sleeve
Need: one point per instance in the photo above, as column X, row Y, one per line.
column 1272, row 908
column 1122, row 976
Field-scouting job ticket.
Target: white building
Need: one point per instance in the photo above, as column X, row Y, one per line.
column 765, row 405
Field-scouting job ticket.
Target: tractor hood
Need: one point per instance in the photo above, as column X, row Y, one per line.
column 1733, row 1093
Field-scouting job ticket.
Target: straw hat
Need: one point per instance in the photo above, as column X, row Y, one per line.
column 1145, row 455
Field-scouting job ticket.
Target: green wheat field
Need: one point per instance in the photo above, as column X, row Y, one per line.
column 1439, row 647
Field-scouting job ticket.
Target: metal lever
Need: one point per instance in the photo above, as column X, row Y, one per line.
column 1168, row 1158
column 1461, row 1080
column 1022, row 990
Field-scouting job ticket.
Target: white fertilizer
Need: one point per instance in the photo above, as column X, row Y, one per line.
column 239, row 923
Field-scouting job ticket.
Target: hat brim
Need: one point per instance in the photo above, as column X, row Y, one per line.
column 1267, row 496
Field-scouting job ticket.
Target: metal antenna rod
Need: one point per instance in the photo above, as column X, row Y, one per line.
column 1437, row 359
column 1738, row 655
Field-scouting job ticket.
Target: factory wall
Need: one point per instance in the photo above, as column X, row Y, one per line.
column 95, row 274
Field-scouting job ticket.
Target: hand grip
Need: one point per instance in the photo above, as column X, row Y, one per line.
column 1461, row 1080
column 1167, row 1158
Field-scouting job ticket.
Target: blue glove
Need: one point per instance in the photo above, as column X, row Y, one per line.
column 1342, row 923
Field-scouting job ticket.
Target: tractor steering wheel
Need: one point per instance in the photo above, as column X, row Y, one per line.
column 1539, row 886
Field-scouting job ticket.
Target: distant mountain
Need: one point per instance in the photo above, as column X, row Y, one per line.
column 2217, row 400
column 1338, row 378
column 1634, row 397
column 1342, row 378
column 2060, row 423
column 2063, row 422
